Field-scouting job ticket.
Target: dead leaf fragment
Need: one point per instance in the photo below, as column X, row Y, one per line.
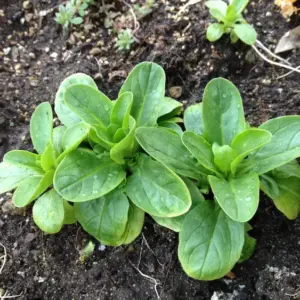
column 290, row 41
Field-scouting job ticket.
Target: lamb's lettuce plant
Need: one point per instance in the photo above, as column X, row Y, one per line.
column 237, row 159
column 114, row 182
column 230, row 21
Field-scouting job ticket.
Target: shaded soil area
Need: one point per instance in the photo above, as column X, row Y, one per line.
column 35, row 58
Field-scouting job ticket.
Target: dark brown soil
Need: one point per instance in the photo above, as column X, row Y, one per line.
column 47, row 267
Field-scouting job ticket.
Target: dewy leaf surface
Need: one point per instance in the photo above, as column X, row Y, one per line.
column 283, row 147
column 147, row 84
column 193, row 119
column 238, row 197
column 48, row 212
column 105, row 218
column 223, row 114
column 248, row 141
column 176, row 222
column 12, row 175
column 200, row 148
column 83, row 176
column 31, row 188
column 89, row 104
column 167, row 147
column 210, row 243
column 156, row 189
column 41, row 126
column 22, row 158
column 66, row 116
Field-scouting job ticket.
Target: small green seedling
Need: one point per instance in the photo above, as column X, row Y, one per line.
column 230, row 21
column 87, row 252
column 234, row 160
column 124, row 40
column 72, row 13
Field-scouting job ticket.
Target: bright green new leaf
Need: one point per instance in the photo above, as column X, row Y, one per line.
column 83, row 176
column 41, row 126
column 66, row 116
column 193, row 119
column 217, row 14
column 223, row 158
column 248, row 141
column 69, row 216
column 124, row 149
column 283, row 147
column 31, row 188
column 210, row 243
column 134, row 224
column 215, row 31
column 48, row 212
column 166, row 147
column 58, row 133
column 238, row 197
column 121, row 110
column 73, row 137
column 236, row 8
column 12, row 175
column 99, row 135
column 147, row 84
column 89, row 104
column 223, row 114
column 105, row 218
column 200, row 148
column 119, row 135
column 156, row 189
column 246, row 33
column 48, row 158
column 216, row 4
column 176, row 222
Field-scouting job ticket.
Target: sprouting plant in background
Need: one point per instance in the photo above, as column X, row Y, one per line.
column 72, row 13
column 230, row 21
column 124, row 40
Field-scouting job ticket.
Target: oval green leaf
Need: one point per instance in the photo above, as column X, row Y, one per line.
column 89, row 104
column 83, row 176
column 147, row 84
column 105, row 218
column 167, row 147
column 245, row 33
column 223, row 114
column 238, row 197
column 210, row 243
column 215, row 31
column 156, row 189
column 48, row 212
column 283, row 147
column 66, row 116
column 41, row 126
column 193, row 119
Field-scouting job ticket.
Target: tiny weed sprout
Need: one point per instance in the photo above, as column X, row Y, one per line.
column 234, row 160
column 124, row 40
column 72, row 13
column 230, row 21
column 112, row 161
